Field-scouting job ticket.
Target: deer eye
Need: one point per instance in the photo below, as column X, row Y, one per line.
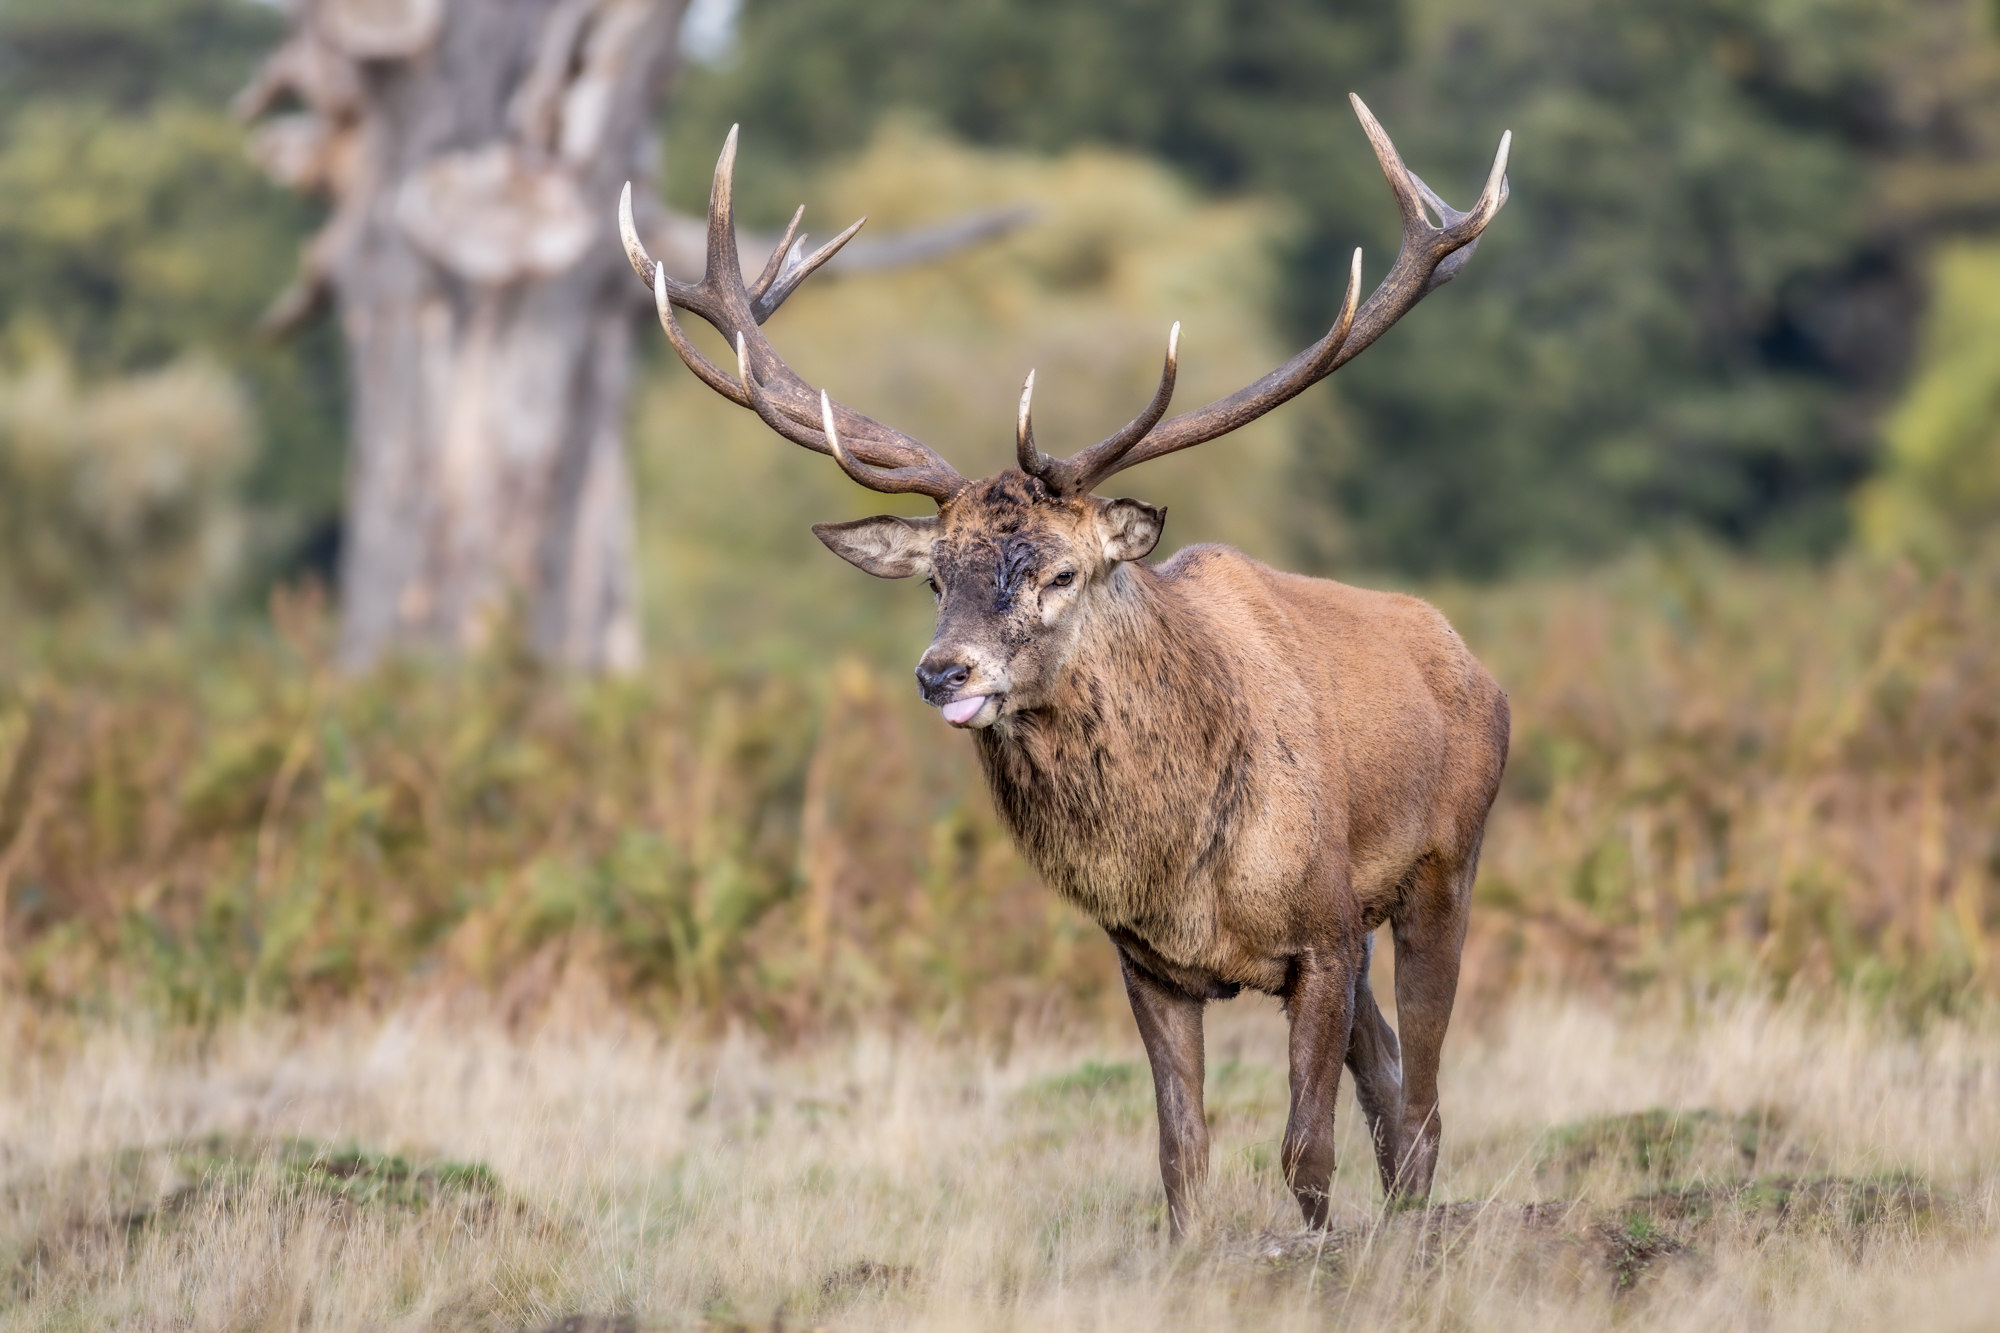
column 933, row 586
column 1064, row 579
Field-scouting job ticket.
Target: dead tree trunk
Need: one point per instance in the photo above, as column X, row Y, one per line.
column 474, row 151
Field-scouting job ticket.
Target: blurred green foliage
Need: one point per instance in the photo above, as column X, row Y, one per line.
column 138, row 233
column 1939, row 491
column 1244, row 94
column 133, row 239
column 124, row 499
column 131, row 54
column 1684, row 318
column 1635, row 352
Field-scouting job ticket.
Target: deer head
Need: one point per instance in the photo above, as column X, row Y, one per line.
column 1024, row 561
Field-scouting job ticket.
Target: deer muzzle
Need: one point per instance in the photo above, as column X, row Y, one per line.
column 959, row 689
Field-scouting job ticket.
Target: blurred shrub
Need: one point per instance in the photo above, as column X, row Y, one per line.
column 1719, row 775
column 195, row 831
column 1939, row 491
column 1726, row 772
column 132, row 239
column 124, row 494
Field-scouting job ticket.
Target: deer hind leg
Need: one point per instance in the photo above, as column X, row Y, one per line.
column 1320, row 1004
column 1170, row 1026
column 1429, row 929
column 1377, row 1063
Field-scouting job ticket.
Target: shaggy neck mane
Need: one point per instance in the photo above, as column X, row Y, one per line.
column 1145, row 745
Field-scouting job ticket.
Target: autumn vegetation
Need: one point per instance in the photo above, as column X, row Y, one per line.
column 1720, row 775
column 471, row 993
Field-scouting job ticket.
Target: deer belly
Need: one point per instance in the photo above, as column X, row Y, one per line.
column 1205, row 931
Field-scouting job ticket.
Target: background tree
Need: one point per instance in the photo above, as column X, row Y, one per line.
column 470, row 149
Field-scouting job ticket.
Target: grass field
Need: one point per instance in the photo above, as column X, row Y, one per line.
column 1723, row 1164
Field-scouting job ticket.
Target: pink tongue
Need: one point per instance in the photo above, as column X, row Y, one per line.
column 963, row 710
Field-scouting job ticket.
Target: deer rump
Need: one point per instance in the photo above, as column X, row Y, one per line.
column 1240, row 773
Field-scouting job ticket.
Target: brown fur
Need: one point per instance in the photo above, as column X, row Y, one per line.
column 1239, row 773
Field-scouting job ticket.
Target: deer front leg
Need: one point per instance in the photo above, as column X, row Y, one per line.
column 1320, row 1004
column 1170, row 1026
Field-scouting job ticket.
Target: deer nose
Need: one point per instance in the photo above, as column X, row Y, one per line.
column 941, row 679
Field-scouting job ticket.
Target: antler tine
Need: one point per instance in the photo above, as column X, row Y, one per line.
column 936, row 480
column 628, row 232
column 1411, row 192
column 1337, row 336
column 892, row 460
column 1079, row 473
column 930, row 476
column 1488, row 203
column 793, row 274
column 760, row 403
column 725, row 263
column 1431, row 255
column 1425, row 262
column 704, row 370
column 776, row 262
column 1032, row 460
column 1408, row 199
column 1495, row 192
column 650, row 271
column 665, row 292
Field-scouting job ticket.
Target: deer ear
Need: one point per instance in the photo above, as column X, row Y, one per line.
column 1131, row 528
column 886, row 546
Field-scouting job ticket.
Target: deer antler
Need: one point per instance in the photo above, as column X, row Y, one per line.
column 1431, row 256
column 1075, row 475
column 873, row 454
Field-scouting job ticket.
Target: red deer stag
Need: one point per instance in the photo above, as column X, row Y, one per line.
column 1240, row 773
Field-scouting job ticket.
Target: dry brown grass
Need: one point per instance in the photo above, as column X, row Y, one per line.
column 1732, row 1164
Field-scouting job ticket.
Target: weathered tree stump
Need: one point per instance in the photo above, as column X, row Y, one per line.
column 473, row 151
